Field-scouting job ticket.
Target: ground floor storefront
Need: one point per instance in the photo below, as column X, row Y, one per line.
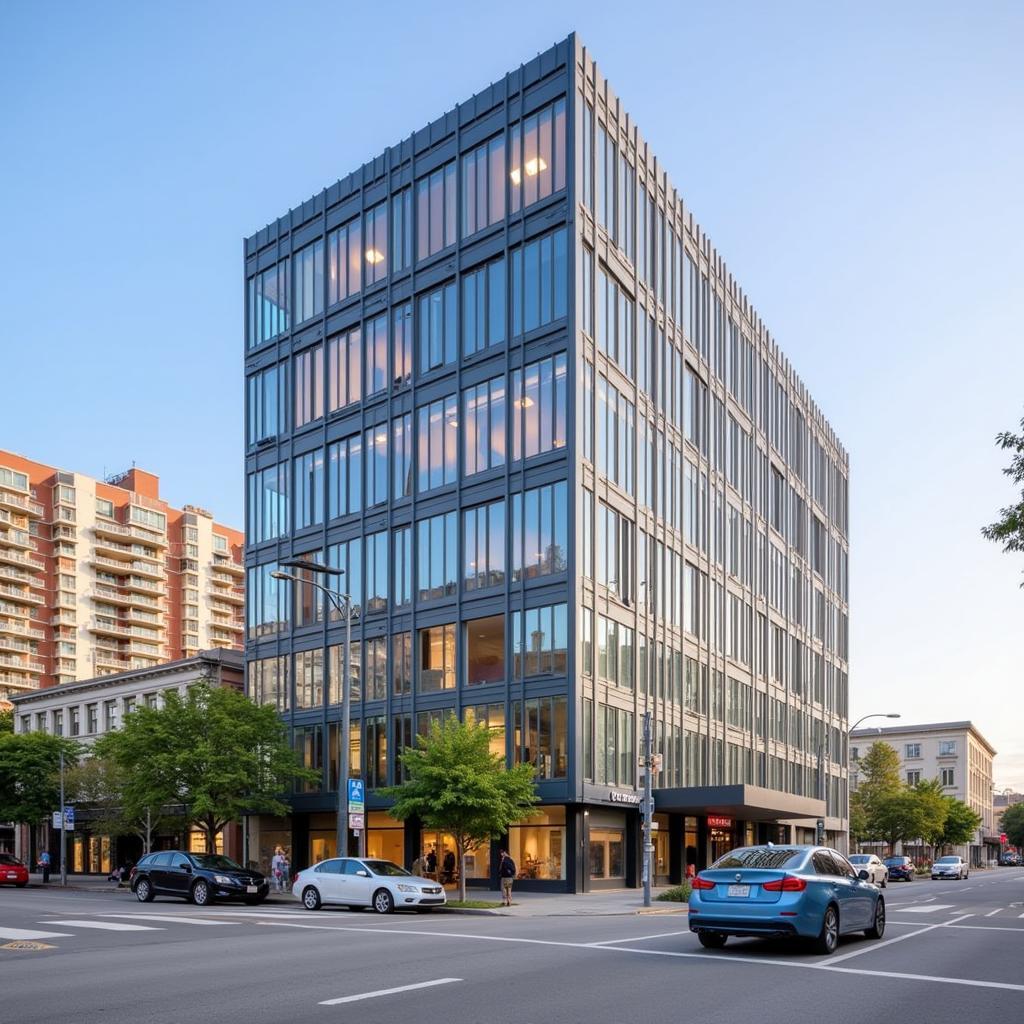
column 561, row 847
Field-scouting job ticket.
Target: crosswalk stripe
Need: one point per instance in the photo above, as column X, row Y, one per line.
column 165, row 917
column 108, row 926
column 928, row 909
column 992, row 913
column 28, row 934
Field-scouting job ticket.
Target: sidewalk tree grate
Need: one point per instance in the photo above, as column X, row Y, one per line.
column 24, row 946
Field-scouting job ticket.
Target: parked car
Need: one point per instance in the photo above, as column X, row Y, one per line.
column 803, row 891
column 1009, row 860
column 199, row 877
column 950, row 867
column 900, row 868
column 356, row 883
column 12, row 871
column 873, row 865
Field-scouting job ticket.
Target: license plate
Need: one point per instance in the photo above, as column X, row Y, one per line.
column 11, row 874
column 250, row 888
column 739, row 890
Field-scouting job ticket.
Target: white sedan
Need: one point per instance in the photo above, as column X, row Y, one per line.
column 877, row 871
column 356, row 883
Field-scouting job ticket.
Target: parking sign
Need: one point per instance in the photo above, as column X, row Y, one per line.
column 356, row 796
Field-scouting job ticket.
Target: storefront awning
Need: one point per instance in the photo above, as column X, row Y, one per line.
column 746, row 803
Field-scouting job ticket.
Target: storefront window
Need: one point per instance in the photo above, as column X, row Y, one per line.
column 537, row 844
column 99, row 854
column 385, row 838
column 437, row 845
column 661, row 849
column 607, row 853
column 197, row 842
column 690, row 851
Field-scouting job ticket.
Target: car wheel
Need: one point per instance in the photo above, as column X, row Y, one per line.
column 144, row 891
column 711, row 940
column 310, row 898
column 383, row 901
column 885, row 882
column 200, row 894
column 877, row 929
column 828, row 937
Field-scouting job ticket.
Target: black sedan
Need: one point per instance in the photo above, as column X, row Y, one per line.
column 901, row 869
column 199, row 877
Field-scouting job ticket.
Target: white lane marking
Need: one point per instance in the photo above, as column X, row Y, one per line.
column 387, row 991
column 166, row 917
column 640, row 938
column 22, row 933
column 107, row 926
column 930, row 909
column 974, row 927
column 992, row 913
column 721, row 957
column 888, row 942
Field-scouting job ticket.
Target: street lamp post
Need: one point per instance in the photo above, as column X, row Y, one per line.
column 341, row 825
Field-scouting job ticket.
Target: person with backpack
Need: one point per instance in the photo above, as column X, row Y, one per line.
column 507, row 874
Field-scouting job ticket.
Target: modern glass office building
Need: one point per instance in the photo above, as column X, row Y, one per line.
column 500, row 377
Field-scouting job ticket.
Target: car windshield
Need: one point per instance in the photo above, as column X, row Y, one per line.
column 892, row 861
column 6, row 858
column 384, row 867
column 858, row 858
column 947, row 860
column 761, row 857
column 216, row 862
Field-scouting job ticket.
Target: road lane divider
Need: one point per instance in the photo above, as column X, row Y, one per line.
column 388, row 991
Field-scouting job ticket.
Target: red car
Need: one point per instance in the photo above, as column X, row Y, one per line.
column 12, row 871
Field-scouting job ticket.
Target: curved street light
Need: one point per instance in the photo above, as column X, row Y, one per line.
column 344, row 744
column 849, row 733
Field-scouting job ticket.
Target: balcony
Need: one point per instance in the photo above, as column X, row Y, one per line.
column 16, row 594
column 109, row 627
column 230, row 627
column 16, row 662
column 234, row 596
column 18, row 629
column 16, row 503
column 110, row 565
column 137, row 583
column 23, row 684
column 106, row 659
column 16, row 539
column 136, row 619
column 31, row 562
column 232, row 568
column 12, row 645
column 148, row 569
column 13, row 575
column 106, row 528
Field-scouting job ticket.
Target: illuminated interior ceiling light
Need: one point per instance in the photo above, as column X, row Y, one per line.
column 534, row 166
column 374, row 256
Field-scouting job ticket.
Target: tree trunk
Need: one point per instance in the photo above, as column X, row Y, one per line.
column 461, row 846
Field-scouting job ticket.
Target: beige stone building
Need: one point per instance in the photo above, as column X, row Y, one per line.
column 954, row 753
column 100, row 576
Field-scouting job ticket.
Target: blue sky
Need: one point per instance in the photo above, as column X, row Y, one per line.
column 859, row 169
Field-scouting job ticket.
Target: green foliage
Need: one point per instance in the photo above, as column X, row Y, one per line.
column 474, row 904
column 30, row 774
column 212, row 751
column 961, row 823
column 456, row 785
column 897, row 817
column 1008, row 529
column 6, row 720
column 858, row 818
column 677, row 894
column 1012, row 824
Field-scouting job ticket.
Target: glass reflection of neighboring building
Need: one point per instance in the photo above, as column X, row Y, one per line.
column 499, row 376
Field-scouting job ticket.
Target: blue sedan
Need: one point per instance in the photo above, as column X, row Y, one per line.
column 808, row 892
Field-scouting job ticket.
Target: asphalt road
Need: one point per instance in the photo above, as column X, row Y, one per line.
column 953, row 951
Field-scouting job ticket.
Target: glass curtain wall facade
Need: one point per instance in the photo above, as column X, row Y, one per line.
column 567, row 472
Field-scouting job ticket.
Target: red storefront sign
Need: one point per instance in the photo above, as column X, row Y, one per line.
column 719, row 821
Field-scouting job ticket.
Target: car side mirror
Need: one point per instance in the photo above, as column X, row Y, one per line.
column 863, row 875
column 188, row 868
column 363, row 874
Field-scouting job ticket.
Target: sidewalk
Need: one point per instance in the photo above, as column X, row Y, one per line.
column 609, row 902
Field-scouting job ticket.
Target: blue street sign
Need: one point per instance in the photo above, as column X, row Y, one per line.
column 356, row 795
column 69, row 819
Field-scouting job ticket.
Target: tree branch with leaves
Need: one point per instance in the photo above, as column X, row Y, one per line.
column 1008, row 529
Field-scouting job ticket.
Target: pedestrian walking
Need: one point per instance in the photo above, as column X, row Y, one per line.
column 44, row 865
column 449, row 867
column 431, row 866
column 507, row 874
column 417, row 866
column 278, row 865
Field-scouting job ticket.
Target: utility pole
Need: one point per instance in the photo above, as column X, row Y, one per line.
column 63, row 820
column 650, row 762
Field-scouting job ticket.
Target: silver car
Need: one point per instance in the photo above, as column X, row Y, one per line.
column 877, row 871
column 356, row 883
column 950, row 867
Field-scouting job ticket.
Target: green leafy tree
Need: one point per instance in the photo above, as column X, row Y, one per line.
column 899, row 816
column 100, row 783
column 960, row 824
column 456, row 785
column 212, row 751
column 6, row 720
column 934, row 807
column 30, row 774
column 1008, row 529
column 858, row 818
column 1012, row 824
column 878, row 773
